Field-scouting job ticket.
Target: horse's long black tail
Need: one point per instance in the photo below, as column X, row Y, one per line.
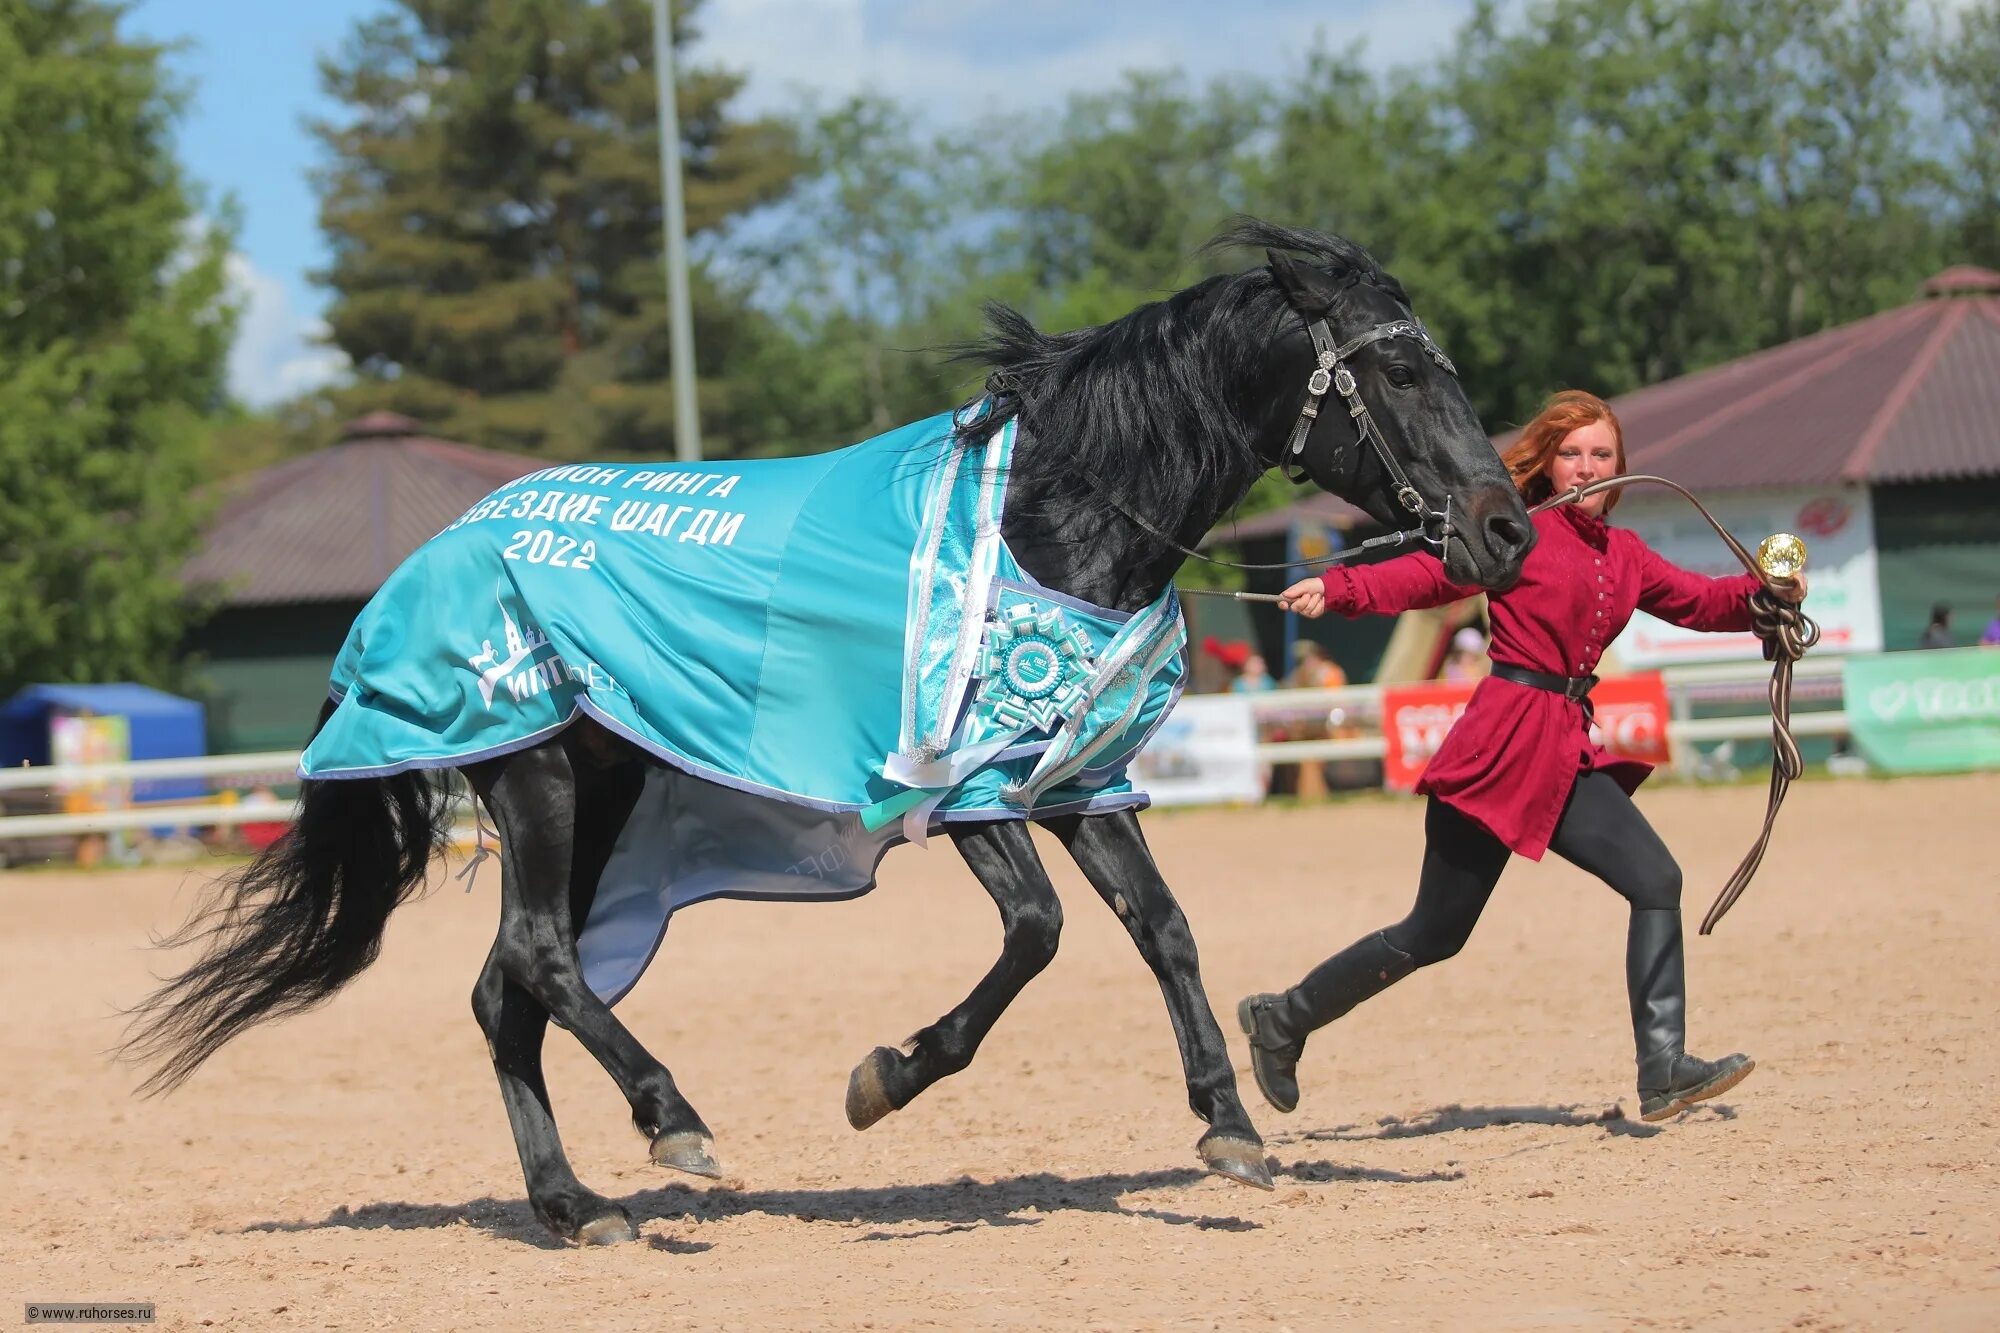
column 299, row 922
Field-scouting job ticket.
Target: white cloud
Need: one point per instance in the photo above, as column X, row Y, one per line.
column 277, row 354
column 998, row 56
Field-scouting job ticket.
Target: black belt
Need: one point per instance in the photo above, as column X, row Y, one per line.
column 1574, row 688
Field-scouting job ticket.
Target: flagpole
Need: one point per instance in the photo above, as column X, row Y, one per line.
column 673, row 222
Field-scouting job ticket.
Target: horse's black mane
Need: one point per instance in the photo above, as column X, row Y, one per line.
column 1144, row 402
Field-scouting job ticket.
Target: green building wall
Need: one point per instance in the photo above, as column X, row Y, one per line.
column 1937, row 542
column 262, row 671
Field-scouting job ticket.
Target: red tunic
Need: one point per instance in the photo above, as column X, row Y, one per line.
column 1510, row 761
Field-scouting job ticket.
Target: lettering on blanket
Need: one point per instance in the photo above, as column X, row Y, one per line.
column 529, row 500
column 543, row 546
column 835, row 855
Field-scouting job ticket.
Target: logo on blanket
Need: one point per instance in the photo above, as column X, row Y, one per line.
column 1036, row 668
column 526, row 671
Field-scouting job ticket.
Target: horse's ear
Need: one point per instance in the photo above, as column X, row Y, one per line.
column 1305, row 288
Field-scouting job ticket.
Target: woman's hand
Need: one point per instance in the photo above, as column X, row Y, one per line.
column 1307, row 598
column 1791, row 590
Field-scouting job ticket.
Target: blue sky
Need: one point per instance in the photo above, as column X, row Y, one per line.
column 252, row 66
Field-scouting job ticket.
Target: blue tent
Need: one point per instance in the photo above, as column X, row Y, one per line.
column 163, row 726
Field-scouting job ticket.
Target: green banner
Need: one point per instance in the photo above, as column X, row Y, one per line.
column 1926, row 712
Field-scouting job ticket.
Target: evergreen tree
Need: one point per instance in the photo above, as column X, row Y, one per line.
column 493, row 202
column 113, row 339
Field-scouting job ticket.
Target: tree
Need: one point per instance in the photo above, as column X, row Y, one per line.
column 868, row 268
column 896, row 237
column 1609, row 193
column 113, row 338
column 1604, row 193
column 1968, row 66
column 493, row 202
column 1109, row 210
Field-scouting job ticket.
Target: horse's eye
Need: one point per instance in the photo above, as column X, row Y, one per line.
column 1401, row 377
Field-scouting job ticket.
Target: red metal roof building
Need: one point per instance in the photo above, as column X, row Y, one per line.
column 296, row 549
column 1902, row 407
column 1909, row 395
column 331, row 525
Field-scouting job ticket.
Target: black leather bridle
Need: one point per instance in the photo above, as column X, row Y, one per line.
column 1331, row 372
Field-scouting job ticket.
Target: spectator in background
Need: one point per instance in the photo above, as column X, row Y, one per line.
column 1248, row 674
column 1254, row 678
column 1990, row 637
column 1467, row 660
column 1937, row 634
column 1315, row 669
column 1312, row 669
column 1233, row 654
column 259, row 834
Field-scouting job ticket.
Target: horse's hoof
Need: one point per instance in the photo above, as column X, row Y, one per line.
column 687, row 1150
column 612, row 1228
column 867, row 1095
column 1239, row 1159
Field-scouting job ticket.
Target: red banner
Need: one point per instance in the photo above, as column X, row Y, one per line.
column 1631, row 716
column 1630, row 721
column 1415, row 719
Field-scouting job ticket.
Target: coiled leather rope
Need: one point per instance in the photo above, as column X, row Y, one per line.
column 1786, row 632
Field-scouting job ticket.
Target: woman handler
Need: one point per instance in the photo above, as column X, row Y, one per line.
column 1519, row 773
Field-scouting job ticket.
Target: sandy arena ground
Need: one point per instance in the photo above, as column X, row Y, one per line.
column 1460, row 1160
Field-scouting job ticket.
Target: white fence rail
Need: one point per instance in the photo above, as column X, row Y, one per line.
column 1685, row 685
column 1680, row 733
column 164, row 814
column 1814, row 678
column 279, row 764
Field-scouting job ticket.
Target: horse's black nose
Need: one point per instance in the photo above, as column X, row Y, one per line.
column 1507, row 538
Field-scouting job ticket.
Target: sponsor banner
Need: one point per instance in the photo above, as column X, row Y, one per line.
column 1415, row 720
column 1935, row 711
column 1630, row 720
column 1838, row 525
column 1205, row 752
column 1630, row 714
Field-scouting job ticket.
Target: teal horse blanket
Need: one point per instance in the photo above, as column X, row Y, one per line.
column 830, row 654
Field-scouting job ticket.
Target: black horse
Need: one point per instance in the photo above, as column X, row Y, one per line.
column 1134, row 438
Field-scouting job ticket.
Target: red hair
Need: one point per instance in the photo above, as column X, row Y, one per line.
column 1531, row 456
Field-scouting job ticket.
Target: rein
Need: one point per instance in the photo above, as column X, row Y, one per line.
column 1398, row 537
column 1786, row 631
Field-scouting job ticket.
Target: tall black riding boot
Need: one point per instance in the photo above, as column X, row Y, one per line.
column 1277, row 1025
column 1670, row 1080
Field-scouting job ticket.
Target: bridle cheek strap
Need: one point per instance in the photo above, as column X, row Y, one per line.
column 1332, row 372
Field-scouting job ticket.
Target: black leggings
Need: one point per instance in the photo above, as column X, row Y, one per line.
column 1600, row 831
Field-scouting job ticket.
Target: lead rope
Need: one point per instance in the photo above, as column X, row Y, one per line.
column 480, row 851
column 1396, row 537
column 1786, row 632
